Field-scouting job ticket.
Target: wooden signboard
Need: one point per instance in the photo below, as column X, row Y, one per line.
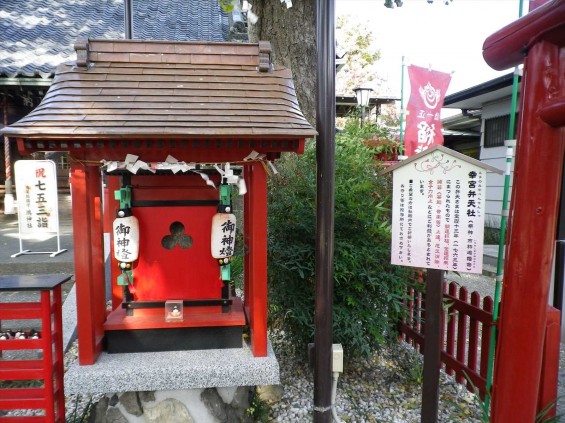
column 438, row 212
column 38, row 209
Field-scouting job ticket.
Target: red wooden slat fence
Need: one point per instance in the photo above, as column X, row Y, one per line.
column 466, row 336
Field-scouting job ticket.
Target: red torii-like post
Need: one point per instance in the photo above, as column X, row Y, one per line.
column 538, row 39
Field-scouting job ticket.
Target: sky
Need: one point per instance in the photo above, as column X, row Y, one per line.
column 449, row 38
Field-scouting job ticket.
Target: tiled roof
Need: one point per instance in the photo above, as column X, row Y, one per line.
column 37, row 35
column 140, row 90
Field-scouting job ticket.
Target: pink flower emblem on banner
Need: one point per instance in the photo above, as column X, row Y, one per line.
column 423, row 122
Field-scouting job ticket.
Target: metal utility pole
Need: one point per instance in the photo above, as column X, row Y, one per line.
column 128, row 19
column 325, row 158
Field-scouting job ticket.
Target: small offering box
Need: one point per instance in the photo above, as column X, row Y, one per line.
column 173, row 311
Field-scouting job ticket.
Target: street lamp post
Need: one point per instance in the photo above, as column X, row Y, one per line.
column 363, row 95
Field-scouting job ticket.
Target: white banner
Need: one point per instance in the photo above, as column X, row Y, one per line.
column 36, row 190
column 438, row 213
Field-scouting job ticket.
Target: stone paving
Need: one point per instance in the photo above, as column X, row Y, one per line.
column 35, row 263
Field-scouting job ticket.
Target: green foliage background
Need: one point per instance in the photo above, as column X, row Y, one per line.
column 368, row 289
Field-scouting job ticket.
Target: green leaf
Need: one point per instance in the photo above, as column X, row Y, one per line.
column 227, row 5
column 368, row 290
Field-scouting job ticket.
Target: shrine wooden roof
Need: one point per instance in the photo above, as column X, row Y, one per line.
column 128, row 89
column 36, row 36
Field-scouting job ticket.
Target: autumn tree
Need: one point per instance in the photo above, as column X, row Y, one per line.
column 357, row 41
column 292, row 33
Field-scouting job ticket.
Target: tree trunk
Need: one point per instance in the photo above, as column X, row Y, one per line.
column 292, row 33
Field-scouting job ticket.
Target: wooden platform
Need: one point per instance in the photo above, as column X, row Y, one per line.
column 193, row 317
column 201, row 328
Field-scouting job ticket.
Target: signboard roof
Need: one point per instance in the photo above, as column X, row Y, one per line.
column 438, row 211
column 447, row 151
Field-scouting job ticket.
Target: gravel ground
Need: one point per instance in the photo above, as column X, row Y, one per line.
column 484, row 285
column 383, row 388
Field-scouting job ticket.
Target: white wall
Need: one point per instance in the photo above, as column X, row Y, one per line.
column 496, row 157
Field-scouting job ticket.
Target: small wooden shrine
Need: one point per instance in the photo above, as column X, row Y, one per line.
column 160, row 134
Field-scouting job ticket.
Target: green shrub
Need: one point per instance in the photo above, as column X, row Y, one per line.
column 368, row 289
column 258, row 409
column 491, row 236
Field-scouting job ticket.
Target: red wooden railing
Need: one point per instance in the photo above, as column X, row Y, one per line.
column 466, row 336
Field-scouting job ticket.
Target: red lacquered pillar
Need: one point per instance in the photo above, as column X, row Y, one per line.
column 528, row 265
column 246, row 235
column 256, row 293
column 89, row 262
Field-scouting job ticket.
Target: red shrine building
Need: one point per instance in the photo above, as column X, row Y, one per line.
column 163, row 137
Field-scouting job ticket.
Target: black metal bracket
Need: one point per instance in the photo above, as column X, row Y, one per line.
column 130, row 305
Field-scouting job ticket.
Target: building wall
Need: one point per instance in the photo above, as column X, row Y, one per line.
column 494, row 156
column 18, row 104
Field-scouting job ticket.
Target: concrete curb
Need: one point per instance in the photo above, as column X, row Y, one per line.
column 69, row 319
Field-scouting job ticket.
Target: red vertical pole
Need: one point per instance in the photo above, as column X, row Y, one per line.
column 47, row 336
column 539, row 162
column 550, row 363
column 58, row 351
column 258, row 260
column 89, row 274
column 450, row 343
column 461, row 334
column 472, row 357
column 246, row 237
column 98, row 280
column 488, row 306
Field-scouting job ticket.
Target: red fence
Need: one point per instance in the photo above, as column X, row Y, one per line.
column 466, row 336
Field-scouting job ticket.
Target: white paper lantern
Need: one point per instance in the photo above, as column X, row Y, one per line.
column 223, row 235
column 126, row 239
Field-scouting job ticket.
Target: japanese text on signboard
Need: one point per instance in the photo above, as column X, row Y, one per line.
column 438, row 214
column 36, row 189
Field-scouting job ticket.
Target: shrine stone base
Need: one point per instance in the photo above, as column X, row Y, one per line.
column 174, row 386
column 173, row 370
column 183, row 406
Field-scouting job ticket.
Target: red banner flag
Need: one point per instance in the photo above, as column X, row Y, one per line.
column 423, row 122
